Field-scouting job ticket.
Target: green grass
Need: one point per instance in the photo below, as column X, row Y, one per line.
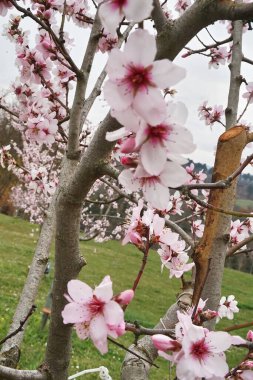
column 155, row 293
column 245, row 204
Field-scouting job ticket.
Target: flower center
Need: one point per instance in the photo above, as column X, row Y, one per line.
column 119, row 4
column 138, row 77
column 199, row 349
column 96, row 306
column 159, row 133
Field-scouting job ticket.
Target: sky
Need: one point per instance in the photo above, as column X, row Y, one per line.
column 201, row 83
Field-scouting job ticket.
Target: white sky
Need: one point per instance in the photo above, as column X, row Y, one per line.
column 200, row 84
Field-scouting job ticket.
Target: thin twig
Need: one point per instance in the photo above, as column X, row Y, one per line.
column 20, row 328
column 131, row 352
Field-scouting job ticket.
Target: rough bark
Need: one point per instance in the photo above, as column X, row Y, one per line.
column 213, row 244
column 15, row 374
column 235, row 75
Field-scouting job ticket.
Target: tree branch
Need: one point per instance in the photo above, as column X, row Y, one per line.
column 231, row 251
column 7, row 373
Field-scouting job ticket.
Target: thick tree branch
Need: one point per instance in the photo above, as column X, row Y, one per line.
column 75, row 122
column 16, row 374
column 235, row 75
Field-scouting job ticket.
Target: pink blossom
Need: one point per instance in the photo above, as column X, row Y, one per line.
column 178, row 265
column 94, row 313
column 197, row 228
column 166, row 140
column 210, row 114
column 249, row 94
column 227, row 307
column 107, row 42
column 196, row 351
column 155, row 188
column 250, row 335
column 135, row 79
column 111, row 12
column 218, row 57
column 182, row 5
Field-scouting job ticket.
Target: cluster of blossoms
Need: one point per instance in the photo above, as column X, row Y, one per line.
column 150, row 229
column 210, row 114
column 43, row 86
column 240, row 230
column 96, row 314
column 152, row 131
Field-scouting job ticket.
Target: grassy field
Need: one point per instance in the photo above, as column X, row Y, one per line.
column 155, row 294
column 245, row 204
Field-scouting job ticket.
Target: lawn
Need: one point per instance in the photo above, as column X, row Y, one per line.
column 155, row 293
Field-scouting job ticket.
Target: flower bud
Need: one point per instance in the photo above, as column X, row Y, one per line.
column 250, row 336
column 124, row 298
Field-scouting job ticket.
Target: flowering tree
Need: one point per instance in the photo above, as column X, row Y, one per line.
column 137, row 153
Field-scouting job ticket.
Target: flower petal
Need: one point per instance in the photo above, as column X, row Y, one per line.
column 98, row 334
column 79, row 291
column 75, row 313
column 150, row 105
column 104, row 290
column 113, row 313
column 138, row 10
column 166, row 74
column 140, row 47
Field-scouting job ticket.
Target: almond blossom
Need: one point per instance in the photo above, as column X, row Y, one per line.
column 135, row 78
column 168, row 139
column 227, row 307
column 154, row 187
column 111, row 12
column 196, row 351
column 218, row 57
column 249, row 94
column 94, row 313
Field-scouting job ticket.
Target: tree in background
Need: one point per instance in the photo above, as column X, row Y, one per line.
column 136, row 153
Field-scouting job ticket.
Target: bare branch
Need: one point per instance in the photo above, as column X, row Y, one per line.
column 20, row 328
column 235, row 75
column 247, row 60
column 7, row 373
column 207, row 47
column 82, row 81
column 159, row 16
column 218, row 209
column 140, row 330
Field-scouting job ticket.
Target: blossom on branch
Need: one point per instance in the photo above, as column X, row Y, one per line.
column 94, row 313
column 227, row 307
column 196, row 351
column 135, row 79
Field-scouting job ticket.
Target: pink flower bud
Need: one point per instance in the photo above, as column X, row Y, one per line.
column 135, row 238
column 128, row 145
column 164, row 343
column 250, row 336
column 128, row 161
column 124, row 298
